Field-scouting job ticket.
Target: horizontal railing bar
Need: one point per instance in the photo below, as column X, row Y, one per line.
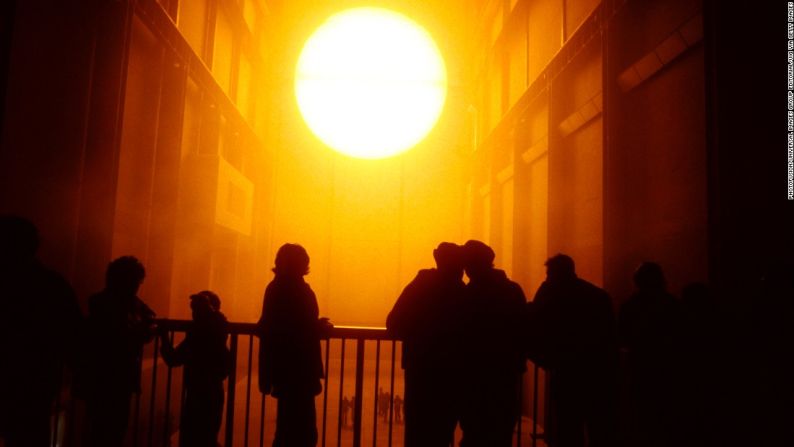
column 350, row 332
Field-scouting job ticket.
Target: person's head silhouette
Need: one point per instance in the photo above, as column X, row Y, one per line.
column 560, row 267
column 649, row 276
column 19, row 240
column 291, row 260
column 201, row 304
column 449, row 259
column 213, row 299
column 477, row 258
column 125, row 275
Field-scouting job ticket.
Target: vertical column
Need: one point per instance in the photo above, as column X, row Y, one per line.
column 112, row 22
column 359, row 392
column 165, row 181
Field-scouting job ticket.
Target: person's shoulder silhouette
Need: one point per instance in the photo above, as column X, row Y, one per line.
column 289, row 326
column 203, row 351
column 489, row 287
column 651, row 320
column 495, row 307
column 34, row 300
column 429, row 306
column 570, row 320
column 119, row 324
column 494, row 352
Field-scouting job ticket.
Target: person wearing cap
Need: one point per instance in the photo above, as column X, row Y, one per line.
column 571, row 333
column 495, row 307
column 290, row 360
column 206, row 359
column 428, row 319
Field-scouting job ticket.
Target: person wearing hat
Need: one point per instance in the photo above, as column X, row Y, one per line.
column 428, row 318
column 571, row 333
column 206, row 359
column 495, row 307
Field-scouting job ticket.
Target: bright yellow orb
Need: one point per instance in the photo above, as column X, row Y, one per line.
column 370, row 82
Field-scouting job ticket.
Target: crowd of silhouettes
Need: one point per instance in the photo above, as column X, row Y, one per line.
column 654, row 374
column 42, row 330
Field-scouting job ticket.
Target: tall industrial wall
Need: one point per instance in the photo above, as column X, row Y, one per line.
column 130, row 128
column 591, row 124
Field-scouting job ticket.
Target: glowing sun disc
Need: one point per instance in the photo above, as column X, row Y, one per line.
column 370, row 82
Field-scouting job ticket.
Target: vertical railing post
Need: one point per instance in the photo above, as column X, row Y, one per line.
column 167, row 422
column 359, row 392
column 232, row 384
column 262, row 421
column 535, row 406
column 248, row 387
column 377, row 395
column 325, row 387
column 341, row 396
column 153, row 400
column 391, row 390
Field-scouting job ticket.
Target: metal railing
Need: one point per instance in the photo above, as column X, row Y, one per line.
column 249, row 416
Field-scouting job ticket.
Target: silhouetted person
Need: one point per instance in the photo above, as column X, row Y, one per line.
column 379, row 402
column 383, row 405
column 119, row 324
column 398, row 409
column 39, row 322
column 206, row 358
column 494, row 353
column 651, row 329
column 345, row 410
column 428, row 318
column 290, row 363
column 572, row 334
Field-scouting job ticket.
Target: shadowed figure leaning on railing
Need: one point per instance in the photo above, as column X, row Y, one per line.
column 207, row 360
column 119, row 325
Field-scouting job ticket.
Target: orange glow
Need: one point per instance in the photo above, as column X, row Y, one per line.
column 370, row 83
